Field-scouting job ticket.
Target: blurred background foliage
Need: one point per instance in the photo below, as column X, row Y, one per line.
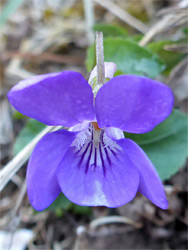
column 147, row 38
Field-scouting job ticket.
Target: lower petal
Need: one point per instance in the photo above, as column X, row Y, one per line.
column 98, row 176
column 150, row 184
column 42, row 185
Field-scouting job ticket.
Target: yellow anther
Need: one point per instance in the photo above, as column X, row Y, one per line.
column 95, row 125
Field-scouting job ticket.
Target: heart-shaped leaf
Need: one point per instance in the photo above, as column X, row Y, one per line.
column 129, row 57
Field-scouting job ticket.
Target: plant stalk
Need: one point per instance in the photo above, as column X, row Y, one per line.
column 100, row 58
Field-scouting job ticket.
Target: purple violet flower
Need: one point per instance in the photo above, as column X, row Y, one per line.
column 92, row 163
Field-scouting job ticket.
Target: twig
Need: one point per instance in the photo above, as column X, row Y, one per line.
column 15, row 164
column 123, row 15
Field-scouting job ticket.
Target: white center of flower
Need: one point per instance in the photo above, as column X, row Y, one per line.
column 96, row 136
column 94, row 148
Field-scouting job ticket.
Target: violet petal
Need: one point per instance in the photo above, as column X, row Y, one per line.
column 63, row 98
column 97, row 176
column 42, row 185
column 150, row 184
column 132, row 103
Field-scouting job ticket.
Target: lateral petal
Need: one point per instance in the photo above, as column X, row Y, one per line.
column 63, row 98
column 42, row 185
column 150, row 184
column 132, row 103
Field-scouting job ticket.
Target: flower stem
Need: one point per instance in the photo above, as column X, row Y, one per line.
column 100, row 58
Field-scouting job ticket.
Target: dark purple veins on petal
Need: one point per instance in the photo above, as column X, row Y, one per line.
column 99, row 169
column 106, row 150
column 83, row 154
column 102, row 160
column 94, row 152
column 95, row 160
column 89, row 157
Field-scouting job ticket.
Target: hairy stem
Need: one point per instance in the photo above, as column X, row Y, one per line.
column 100, row 58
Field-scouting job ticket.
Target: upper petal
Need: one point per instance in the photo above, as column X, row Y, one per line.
column 42, row 185
column 94, row 174
column 132, row 103
column 63, row 98
column 150, row 184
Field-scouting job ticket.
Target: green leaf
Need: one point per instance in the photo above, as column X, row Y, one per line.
column 134, row 38
column 185, row 30
column 170, row 58
column 129, row 58
column 81, row 209
column 110, row 30
column 8, row 10
column 166, row 145
column 19, row 116
column 31, row 129
column 61, row 203
column 116, row 31
column 90, row 58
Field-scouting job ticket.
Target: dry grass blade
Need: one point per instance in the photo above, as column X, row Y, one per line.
column 154, row 30
column 112, row 219
column 44, row 57
column 178, row 80
column 123, row 15
column 14, row 165
column 6, row 127
column 167, row 23
column 179, row 48
column 180, row 6
column 15, row 220
column 89, row 17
